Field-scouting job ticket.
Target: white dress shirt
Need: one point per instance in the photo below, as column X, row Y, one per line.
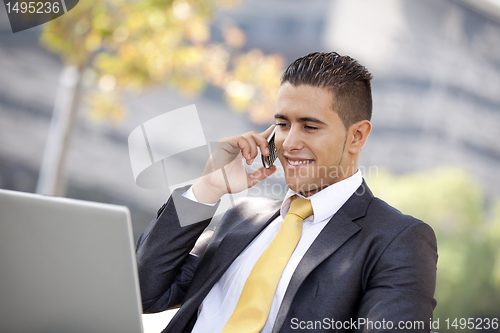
column 220, row 302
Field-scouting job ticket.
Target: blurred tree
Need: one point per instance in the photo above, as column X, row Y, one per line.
column 128, row 45
column 468, row 275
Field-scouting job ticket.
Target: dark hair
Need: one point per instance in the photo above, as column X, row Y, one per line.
column 344, row 76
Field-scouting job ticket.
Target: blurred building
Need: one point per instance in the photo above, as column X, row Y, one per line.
column 436, row 65
column 436, row 91
column 292, row 28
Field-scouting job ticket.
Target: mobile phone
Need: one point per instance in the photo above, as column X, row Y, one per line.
column 268, row 161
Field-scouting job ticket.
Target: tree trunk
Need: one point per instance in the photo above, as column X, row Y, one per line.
column 52, row 180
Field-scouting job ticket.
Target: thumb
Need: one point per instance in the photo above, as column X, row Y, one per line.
column 262, row 173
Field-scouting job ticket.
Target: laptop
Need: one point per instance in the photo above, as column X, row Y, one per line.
column 66, row 266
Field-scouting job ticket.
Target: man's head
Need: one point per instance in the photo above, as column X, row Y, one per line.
column 323, row 110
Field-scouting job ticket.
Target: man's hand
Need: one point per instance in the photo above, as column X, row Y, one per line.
column 225, row 171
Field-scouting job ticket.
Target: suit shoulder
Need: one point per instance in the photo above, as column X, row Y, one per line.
column 381, row 214
column 385, row 227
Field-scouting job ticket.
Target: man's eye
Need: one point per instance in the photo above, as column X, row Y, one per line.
column 312, row 128
column 281, row 124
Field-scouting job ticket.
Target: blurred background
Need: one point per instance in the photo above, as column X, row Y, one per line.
column 72, row 90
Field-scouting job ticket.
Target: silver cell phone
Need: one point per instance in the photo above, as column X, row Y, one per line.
column 268, row 161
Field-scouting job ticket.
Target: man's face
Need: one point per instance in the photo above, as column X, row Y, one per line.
column 310, row 139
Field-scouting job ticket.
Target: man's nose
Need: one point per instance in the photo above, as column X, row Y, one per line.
column 293, row 140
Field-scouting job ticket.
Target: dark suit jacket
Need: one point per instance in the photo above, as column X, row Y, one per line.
column 370, row 262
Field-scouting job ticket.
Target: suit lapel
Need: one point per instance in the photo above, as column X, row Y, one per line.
column 230, row 247
column 237, row 240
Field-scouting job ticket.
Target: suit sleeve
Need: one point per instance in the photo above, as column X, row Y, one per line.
column 402, row 283
column 166, row 253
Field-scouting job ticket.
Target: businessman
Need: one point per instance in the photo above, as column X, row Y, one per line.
column 329, row 257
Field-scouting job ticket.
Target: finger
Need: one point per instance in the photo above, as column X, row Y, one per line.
column 249, row 142
column 246, row 148
column 224, row 153
column 260, row 140
column 252, row 138
column 264, row 145
column 262, row 173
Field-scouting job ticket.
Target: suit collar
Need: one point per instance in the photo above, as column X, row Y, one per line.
column 358, row 203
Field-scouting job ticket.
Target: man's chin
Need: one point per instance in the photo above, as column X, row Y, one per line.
column 302, row 188
column 305, row 188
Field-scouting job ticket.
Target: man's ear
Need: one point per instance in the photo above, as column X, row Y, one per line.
column 357, row 134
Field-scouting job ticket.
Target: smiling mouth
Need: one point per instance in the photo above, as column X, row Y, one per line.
column 298, row 162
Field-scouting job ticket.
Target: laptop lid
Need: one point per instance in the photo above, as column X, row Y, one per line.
column 66, row 266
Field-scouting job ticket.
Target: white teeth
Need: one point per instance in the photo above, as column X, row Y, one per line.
column 298, row 162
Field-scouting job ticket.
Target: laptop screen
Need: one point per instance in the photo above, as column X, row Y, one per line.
column 66, row 266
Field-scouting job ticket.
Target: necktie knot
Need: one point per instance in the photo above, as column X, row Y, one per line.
column 300, row 207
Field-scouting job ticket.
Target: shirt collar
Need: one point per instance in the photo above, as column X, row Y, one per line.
column 328, row 201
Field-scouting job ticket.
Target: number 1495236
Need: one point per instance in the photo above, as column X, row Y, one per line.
column 33, row 7
column 472, row 323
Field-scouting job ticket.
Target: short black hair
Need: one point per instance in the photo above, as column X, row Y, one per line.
column 344, row 76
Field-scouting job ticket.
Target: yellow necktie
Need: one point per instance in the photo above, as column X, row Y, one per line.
column 254, row 304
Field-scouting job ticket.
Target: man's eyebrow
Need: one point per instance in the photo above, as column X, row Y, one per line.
column 280, row 116
column 302, row 119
